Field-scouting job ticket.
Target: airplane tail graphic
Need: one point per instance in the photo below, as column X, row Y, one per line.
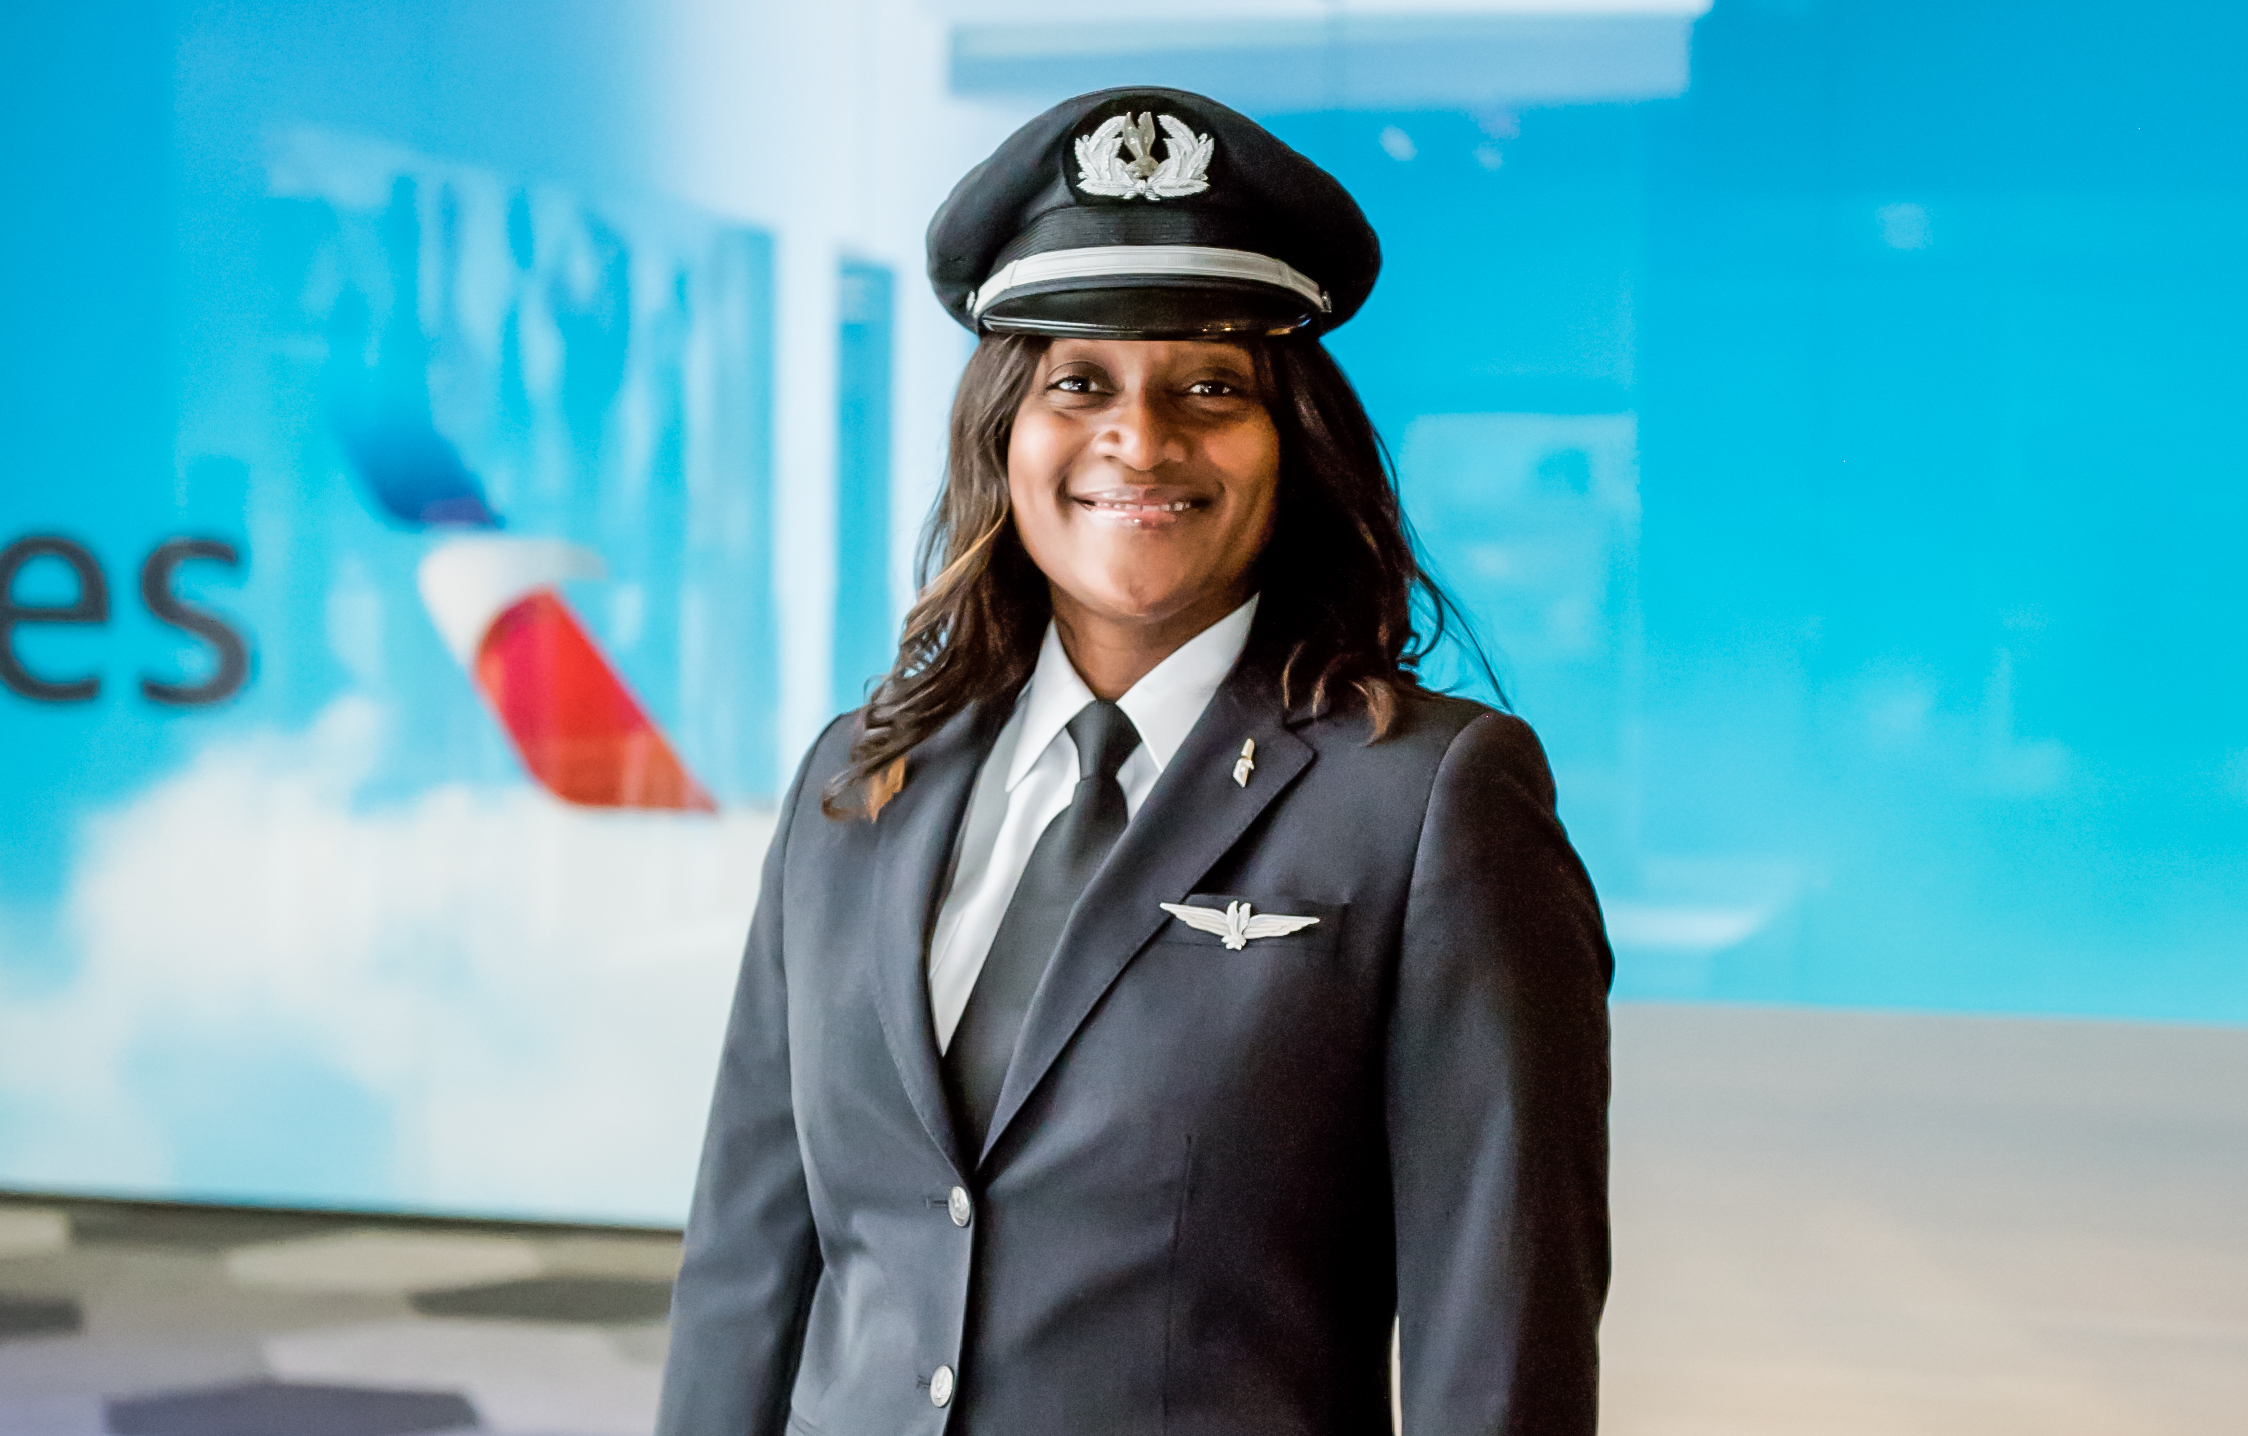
column 572, row 720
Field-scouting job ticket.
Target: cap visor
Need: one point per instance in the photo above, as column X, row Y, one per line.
column 1172, row 309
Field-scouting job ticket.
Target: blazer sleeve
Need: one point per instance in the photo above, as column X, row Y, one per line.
column 752, row 1254
column 1498, row 1104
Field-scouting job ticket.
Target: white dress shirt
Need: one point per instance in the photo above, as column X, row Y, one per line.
column 1028, row 780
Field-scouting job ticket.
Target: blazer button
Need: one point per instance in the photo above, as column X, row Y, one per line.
column 962, row 1211
column 940, row 1386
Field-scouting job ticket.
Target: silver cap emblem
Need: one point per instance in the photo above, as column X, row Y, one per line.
column 1238, row 926
column 1183, row 170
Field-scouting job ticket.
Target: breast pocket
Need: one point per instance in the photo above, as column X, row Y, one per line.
column 1248, row 922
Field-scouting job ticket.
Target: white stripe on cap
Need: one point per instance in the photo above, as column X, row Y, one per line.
column 1142, row 261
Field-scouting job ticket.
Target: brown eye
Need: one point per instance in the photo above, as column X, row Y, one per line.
column 1072, row 384
column 1214, row 389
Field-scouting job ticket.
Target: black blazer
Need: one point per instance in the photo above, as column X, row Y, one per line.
column 1213, row 1175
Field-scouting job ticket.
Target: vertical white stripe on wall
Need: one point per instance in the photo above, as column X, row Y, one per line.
column 833, row 127
column 804, row 503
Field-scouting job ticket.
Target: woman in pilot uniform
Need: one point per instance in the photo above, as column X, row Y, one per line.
column 1154, row 991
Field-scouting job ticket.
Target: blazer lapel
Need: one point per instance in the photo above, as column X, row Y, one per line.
column 1194, row 816
column 915, row 835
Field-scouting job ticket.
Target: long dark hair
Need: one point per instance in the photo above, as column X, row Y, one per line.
column 1340, row 576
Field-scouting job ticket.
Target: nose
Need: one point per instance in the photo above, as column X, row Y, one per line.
column 1139, row 434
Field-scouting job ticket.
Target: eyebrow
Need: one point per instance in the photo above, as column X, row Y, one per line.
column 1237, row 373
column 1238, row 368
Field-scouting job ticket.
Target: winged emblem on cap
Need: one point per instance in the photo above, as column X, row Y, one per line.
column 1183, row 170
column 1237, row 925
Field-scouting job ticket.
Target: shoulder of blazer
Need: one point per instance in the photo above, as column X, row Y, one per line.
column 1436, row 741
column 831, row 751
column 822, row 761
column 1496, row 754
column 1425, row 727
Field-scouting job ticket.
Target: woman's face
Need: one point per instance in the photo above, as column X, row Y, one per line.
column 1143, row 474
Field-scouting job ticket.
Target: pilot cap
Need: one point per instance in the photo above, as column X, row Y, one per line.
column 1149, row 214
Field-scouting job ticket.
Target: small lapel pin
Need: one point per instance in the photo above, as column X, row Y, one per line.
column 1246, row 764
column 1238, row 926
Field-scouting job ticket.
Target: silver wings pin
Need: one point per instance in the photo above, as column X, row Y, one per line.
column 1236, row 925
column 1183, row 170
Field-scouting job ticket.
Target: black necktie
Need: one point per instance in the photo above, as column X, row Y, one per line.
column 1061, row 863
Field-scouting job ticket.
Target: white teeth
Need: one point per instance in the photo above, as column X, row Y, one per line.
column 1128, row 508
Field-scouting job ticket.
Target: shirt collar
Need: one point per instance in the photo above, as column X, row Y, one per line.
column 1164, row 705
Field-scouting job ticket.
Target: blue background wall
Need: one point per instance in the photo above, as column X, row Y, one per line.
column 1826, row 409
column 865, row 635
column 1929, row 319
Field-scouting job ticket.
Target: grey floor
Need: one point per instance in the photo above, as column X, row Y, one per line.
column 147, row 1321
column 1860, row 1223
column 1825, row 1223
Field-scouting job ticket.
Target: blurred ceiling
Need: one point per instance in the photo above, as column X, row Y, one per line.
column 1277, row 56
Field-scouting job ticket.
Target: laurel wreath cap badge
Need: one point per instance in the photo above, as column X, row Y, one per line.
column 1183, row 170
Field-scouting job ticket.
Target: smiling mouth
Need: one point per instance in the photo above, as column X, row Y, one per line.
column 1138, row 508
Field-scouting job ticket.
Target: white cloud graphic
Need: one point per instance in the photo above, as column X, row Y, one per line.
column 531, row 994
